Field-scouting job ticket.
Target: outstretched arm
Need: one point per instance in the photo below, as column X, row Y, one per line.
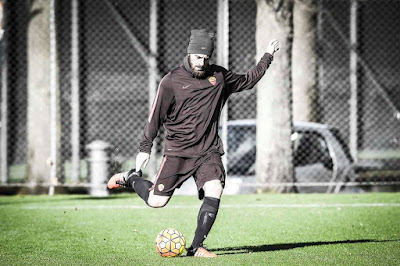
column 237, row 82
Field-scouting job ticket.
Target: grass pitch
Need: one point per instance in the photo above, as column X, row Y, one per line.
column 265, row 229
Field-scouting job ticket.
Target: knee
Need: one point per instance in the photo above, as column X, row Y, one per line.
column 157, row 202
column 213, row 189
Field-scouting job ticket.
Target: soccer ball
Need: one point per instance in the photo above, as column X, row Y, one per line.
column 170, row 243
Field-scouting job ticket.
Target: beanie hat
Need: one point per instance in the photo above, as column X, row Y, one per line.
column 201, row 42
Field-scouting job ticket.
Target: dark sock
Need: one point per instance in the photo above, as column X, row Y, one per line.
column 140, row 185
column 205, row 220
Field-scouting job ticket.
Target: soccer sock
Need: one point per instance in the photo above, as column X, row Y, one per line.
column 140, row 185
column 205, row 220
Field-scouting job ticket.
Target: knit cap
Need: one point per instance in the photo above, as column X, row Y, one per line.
column 201, row 42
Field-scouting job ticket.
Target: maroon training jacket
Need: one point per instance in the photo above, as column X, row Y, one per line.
column 190, row 108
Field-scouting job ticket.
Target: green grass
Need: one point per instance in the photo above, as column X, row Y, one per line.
column 265, row 229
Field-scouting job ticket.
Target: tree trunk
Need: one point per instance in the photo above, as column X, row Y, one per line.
column 304, row 66
column 38, row 128
column 274, row 115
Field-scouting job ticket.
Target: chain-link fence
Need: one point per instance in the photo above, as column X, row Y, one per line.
column 344, row 76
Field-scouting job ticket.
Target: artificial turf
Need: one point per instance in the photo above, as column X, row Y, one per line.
column 261, row 229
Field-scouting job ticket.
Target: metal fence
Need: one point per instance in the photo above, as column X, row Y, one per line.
column 109, row 55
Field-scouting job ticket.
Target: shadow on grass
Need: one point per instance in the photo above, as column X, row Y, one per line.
column 276, row 247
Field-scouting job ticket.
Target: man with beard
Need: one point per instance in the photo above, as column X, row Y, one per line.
column 188, row 104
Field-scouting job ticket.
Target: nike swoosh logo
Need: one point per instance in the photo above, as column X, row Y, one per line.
column 185, row 87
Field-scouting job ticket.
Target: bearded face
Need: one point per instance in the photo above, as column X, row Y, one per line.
column 198, row 64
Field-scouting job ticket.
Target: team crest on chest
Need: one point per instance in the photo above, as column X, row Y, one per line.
column 212, row 80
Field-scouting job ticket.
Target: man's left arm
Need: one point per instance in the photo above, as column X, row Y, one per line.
column 236, row 82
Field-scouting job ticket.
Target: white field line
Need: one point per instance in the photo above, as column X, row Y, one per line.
column 127, row 207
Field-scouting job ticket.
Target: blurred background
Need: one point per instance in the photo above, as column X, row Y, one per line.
column 80, row 76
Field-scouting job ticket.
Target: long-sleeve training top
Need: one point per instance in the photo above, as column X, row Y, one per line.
column 190, row 108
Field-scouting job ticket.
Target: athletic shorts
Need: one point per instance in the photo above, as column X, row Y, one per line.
column 176, row 170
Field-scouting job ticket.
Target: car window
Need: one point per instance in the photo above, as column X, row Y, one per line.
column 311, row 148
column 241, row 149
column 344, row 146
column 240, row 136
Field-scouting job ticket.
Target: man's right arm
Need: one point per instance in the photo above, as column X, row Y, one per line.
column 157, row 115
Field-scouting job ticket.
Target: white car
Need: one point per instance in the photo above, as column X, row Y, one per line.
column 319, row 154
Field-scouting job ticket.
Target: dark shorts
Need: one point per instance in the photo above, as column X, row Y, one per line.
column 176, row 170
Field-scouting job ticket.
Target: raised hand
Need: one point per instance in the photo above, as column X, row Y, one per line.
column 273, row 46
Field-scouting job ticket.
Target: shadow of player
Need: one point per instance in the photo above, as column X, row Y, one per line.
column 286, row 246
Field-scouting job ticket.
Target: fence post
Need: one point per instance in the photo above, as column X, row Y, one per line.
column 353, row 82
column 153, row 77
column 4, row 106
column 223, row 60
column 99, row 162
column 75, row 97
column 55, row 123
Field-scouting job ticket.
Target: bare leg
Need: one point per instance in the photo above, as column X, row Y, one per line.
column 213, row 189
column 156, row 201
column 143, row 189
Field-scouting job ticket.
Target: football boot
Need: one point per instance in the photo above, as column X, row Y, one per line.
column 201, row 252
column 120, row 179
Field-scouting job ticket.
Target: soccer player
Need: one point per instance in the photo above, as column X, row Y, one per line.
column 188, row 104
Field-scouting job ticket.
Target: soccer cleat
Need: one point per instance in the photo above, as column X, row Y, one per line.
column 204, row 253
column 201, row 253
column 120, row 179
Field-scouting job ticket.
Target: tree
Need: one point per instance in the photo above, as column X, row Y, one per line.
column 304, row 63
column 38, row 127
column 274, row 116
